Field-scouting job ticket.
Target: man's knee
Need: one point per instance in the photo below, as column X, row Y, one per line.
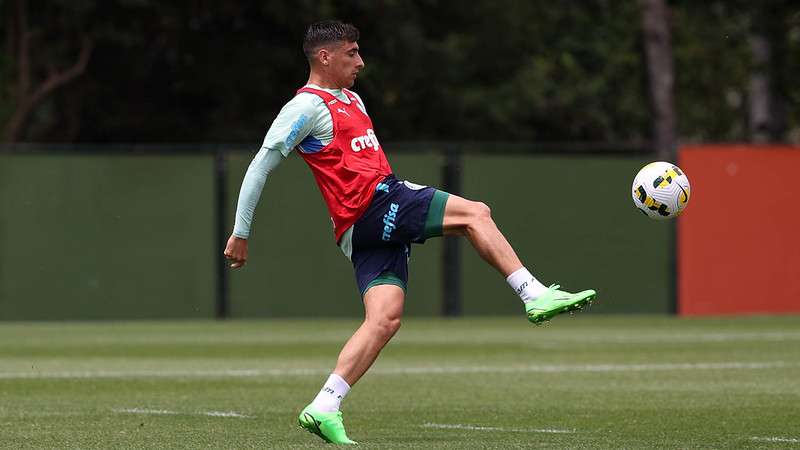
column 482, row 211
column 479, row 213
column 465, row 216
column 386, row 326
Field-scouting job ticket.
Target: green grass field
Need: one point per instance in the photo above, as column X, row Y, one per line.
column 579, row 382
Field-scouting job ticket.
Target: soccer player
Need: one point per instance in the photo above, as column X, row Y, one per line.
column 376, row 216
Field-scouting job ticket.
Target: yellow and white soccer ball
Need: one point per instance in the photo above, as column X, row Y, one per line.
column 661, row 190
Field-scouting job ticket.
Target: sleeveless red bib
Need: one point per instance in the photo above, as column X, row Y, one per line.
column 349, row 168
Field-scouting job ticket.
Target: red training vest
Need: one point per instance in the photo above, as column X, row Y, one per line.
column 349, row 168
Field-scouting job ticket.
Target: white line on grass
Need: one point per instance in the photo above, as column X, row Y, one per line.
column 227, row 414
column 458, row 426
column 775, row 439
column 201, row 413
column 591, row 368
column 146, row 411
column 225, row 373
column 541, row 368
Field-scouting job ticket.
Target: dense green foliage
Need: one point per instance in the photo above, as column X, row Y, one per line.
column 169, row 71
column 579, row 382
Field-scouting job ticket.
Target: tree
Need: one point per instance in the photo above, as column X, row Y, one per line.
column 176, row 71
column 31, row 90
column 766, row 116
column 661, row 73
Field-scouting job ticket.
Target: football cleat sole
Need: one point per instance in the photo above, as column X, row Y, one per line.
column 571, row 308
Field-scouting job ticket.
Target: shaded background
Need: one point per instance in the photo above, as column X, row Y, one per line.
column 113, row 110
column 205, row 71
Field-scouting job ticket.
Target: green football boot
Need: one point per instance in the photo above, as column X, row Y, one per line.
column 328, row 426
column 554, row 302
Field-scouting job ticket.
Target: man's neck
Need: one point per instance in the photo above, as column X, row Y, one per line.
column 321, row 81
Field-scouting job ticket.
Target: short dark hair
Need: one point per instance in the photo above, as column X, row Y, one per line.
column 326, row 32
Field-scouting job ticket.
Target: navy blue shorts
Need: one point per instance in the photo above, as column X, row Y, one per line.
column 401, row 213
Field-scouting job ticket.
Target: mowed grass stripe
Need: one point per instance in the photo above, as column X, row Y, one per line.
column 405, row 370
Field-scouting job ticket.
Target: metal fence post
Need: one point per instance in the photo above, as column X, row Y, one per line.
column 451, row 254
column 221, row 232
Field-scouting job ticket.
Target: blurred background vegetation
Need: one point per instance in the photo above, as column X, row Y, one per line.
column 139, row 71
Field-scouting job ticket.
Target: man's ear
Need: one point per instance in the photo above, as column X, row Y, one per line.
column 323, row 56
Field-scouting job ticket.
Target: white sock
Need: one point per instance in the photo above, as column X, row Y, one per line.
column 525, row 285
column 331, row 394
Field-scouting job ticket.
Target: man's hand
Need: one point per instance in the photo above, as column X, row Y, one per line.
column 236, row 251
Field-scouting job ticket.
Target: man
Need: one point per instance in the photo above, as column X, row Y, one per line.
column 375, row 216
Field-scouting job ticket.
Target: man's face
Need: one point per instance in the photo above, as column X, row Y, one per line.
column 344, row 63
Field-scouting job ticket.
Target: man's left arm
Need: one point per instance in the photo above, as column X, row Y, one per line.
column 250, row 193
column 287, row 130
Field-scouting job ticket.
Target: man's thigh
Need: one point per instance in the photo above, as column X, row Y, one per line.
column 384, row 302
column 380, row 265
column 401, row 214
column 459, row 212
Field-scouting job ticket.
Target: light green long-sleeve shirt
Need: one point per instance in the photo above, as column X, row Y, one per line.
column 303, row 123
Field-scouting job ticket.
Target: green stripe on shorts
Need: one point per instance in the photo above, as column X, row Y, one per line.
column 386, row 277
column 435, row 218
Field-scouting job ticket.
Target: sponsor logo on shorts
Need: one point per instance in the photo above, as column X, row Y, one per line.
column 414, row 186
column 389, row 220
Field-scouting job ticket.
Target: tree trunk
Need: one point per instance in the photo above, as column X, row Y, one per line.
column 661, row 76
column 28, row 98
column 766, row 118
column 760, row 98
